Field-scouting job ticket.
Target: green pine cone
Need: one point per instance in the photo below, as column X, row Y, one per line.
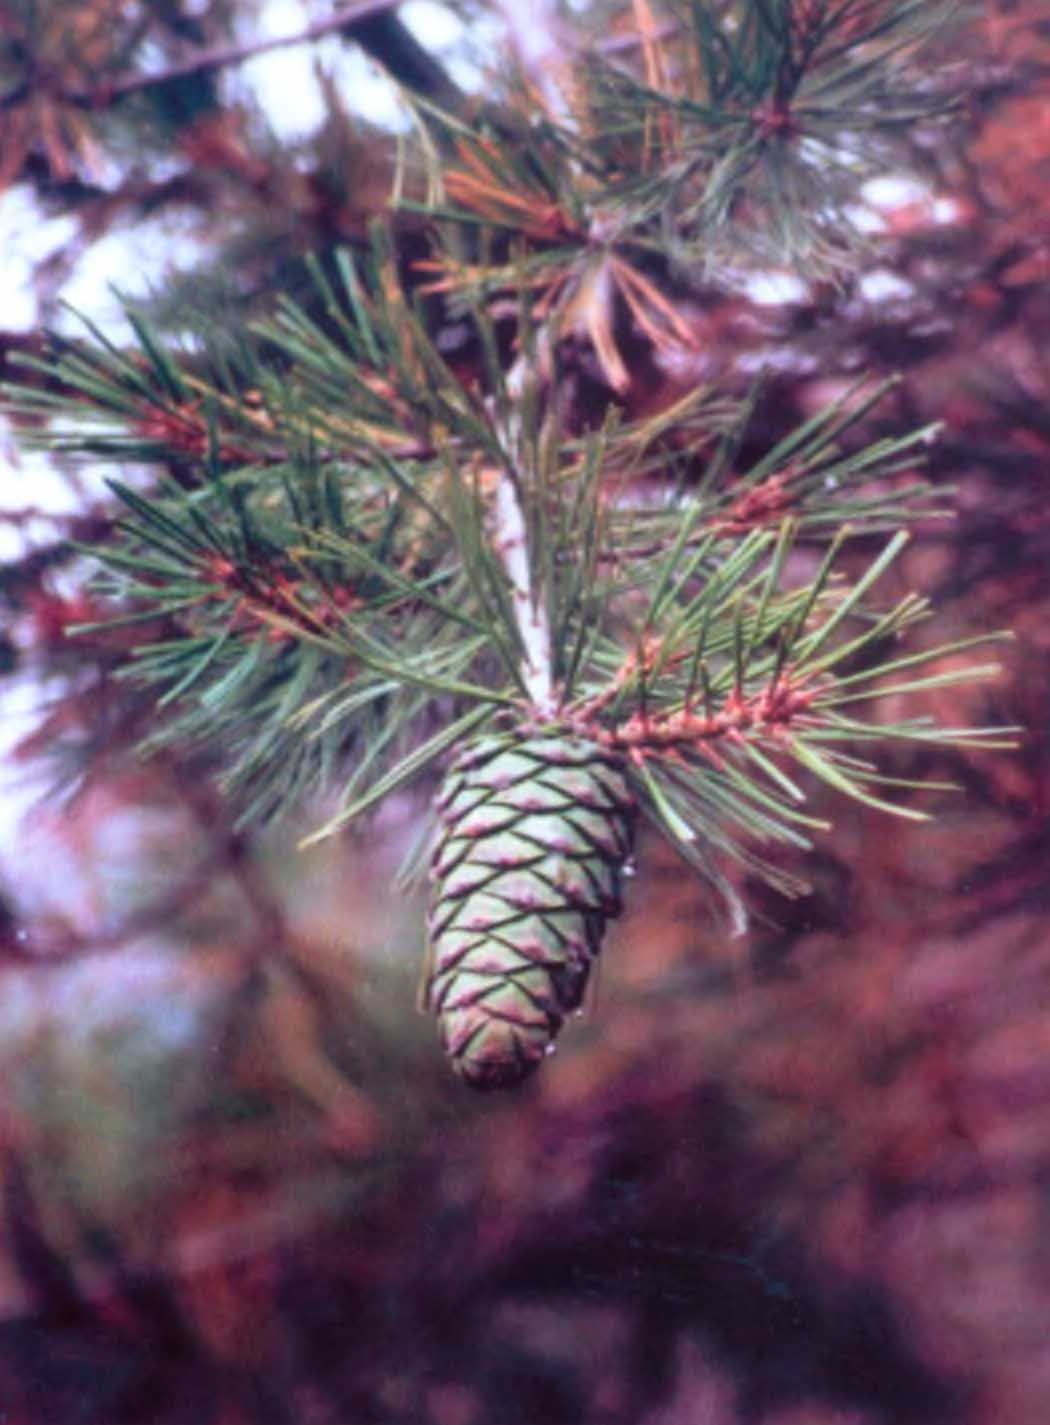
column 536, row 829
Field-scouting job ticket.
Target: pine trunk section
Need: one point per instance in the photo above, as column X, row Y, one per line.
column 536, row 830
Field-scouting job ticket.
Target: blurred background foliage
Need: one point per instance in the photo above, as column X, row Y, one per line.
column 796, row 1179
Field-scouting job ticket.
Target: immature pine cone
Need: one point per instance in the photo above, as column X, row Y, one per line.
column 536, row 830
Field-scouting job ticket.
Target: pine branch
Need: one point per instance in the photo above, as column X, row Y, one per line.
column 206, row 60
column 511, row 540
column 758, row 142
column 358, row 561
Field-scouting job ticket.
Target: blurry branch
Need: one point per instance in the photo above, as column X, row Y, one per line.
column 24, row 573
column 367, row 22
column 393, row 45
column 626, row 40
column 224, row 854
column 228, row 849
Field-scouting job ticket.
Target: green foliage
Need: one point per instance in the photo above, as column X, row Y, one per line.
column 349, row 552
column 734, row 132
column 321, row 593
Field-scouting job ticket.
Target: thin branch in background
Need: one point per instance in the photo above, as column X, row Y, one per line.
column 221, row 56
column 631, row 40
column 368, row 22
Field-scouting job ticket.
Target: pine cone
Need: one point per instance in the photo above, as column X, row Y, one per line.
column 536, row 829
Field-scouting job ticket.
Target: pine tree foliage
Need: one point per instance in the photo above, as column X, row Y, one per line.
column 360, row 552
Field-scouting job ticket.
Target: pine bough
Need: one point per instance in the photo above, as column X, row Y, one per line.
column 361, row 562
